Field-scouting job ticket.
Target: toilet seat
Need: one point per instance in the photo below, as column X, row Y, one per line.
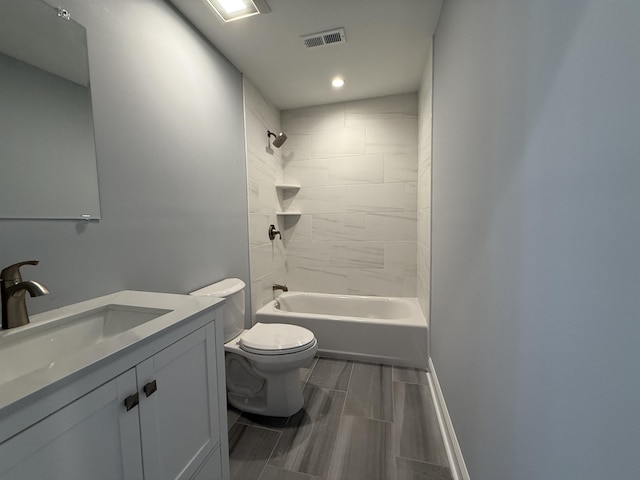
column 276, row 339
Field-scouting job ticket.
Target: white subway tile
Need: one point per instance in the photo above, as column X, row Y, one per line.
column 395, row 136
column 338, row 142
column 400, row 167
column 347, row 226
column 317, row 279
column 410, row 197
column 258, row 226
column 297, row 147
column 297, row 229
column 309, row 254
column 391, row 226
column 378, row 197
column 375, row 282
column 381, row 109
column 253, row 192
column 311, row 119
column 356, row 254
column 265, row 259
column 424, row 227
column 356, row 169
column 307, row 173
column 401, row 257
column 329, row 199
column 423, row 293
column 257, row 104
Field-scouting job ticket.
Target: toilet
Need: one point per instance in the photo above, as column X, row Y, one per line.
column 262, row 363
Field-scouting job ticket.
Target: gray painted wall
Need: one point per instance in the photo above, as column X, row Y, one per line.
column 171, row 165
column 536, row 236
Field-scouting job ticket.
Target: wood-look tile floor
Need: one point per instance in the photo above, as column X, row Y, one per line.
column 360, row 421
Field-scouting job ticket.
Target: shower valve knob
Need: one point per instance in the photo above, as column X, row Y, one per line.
column 273, row 231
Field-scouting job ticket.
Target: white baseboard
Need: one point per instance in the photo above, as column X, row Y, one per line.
column 454, row 453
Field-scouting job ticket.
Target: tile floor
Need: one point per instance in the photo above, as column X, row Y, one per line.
column 361, row 421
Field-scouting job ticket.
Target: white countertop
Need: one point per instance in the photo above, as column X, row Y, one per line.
column 180, row 309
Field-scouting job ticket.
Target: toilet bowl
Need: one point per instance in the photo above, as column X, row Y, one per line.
column 262, row 363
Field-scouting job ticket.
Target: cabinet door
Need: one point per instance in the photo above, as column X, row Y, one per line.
column 92, row 438
column 179, row 418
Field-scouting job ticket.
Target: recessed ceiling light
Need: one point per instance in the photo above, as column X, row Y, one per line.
column 232, row 6
column 337, row 82
column 230, row 10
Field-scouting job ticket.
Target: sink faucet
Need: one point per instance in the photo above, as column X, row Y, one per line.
column 13, row 289
column 280, row 287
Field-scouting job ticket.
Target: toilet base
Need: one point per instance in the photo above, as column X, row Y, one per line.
column 263, row 389
column 280, row 397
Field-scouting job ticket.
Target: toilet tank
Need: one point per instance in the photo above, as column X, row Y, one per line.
column 232, row 289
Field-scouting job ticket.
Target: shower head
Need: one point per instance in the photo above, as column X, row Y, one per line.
column 279, row 138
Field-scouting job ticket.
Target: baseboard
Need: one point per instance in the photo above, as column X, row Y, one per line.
column 454, row 453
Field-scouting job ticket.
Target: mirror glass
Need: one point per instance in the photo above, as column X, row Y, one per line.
column 47, row 147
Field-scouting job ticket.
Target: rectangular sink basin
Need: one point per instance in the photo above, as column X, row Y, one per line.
column 40, row 345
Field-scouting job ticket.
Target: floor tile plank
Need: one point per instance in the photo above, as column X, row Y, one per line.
column 305, row 371
column 249, row 450
column 331, row 373
column 370, row 393
column 363, row 451
column 273, row 473
column 416, row 428
column 408, row 469
column 410, row 375
column 308, row 439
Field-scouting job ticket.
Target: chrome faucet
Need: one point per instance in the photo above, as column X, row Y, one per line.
column 13, row 289
column 280, row 287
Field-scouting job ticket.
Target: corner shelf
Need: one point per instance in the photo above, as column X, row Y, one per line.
column 287, row 186
column 288, row 214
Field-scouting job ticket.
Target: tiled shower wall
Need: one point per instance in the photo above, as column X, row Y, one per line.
column 357, row 164
column 264, row 170
column 424, row 186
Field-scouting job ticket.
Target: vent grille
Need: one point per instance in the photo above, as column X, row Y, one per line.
column 322, row 39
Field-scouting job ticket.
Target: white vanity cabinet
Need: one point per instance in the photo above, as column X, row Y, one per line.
column 160, row 419
column 179, row 423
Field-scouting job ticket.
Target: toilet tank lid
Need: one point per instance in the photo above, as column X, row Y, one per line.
column 221, row 289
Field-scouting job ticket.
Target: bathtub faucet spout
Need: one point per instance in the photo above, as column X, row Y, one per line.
column 280, row 287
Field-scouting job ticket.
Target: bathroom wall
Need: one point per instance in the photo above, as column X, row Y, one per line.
column 425, row 102
column 171, row 165
column 264, row 171
column 357, row 165
column 536, row 270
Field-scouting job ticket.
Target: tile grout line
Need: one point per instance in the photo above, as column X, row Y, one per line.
column 346, row 393
column 422, row 461
column 275, row 444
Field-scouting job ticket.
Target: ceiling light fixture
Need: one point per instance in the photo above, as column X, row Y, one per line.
column 230, row 10
column 337, row 82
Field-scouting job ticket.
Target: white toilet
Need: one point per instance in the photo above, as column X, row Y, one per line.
column 263, row 362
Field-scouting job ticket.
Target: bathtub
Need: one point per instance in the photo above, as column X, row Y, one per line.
column 386, row 330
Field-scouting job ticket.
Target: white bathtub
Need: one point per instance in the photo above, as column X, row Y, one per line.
column 387, row 330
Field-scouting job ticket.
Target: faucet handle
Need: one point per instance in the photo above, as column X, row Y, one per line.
column 12, row 272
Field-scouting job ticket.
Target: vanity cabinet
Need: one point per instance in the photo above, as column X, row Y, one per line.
column 161, row 419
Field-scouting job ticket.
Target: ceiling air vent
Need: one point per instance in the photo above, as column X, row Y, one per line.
column 322, row 39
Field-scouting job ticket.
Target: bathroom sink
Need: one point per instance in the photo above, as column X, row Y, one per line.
column 39, row 345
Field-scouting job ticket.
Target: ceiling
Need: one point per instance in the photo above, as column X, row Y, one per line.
column 384, row 53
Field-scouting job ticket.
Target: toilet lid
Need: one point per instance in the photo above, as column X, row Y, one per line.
column 275, row 339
